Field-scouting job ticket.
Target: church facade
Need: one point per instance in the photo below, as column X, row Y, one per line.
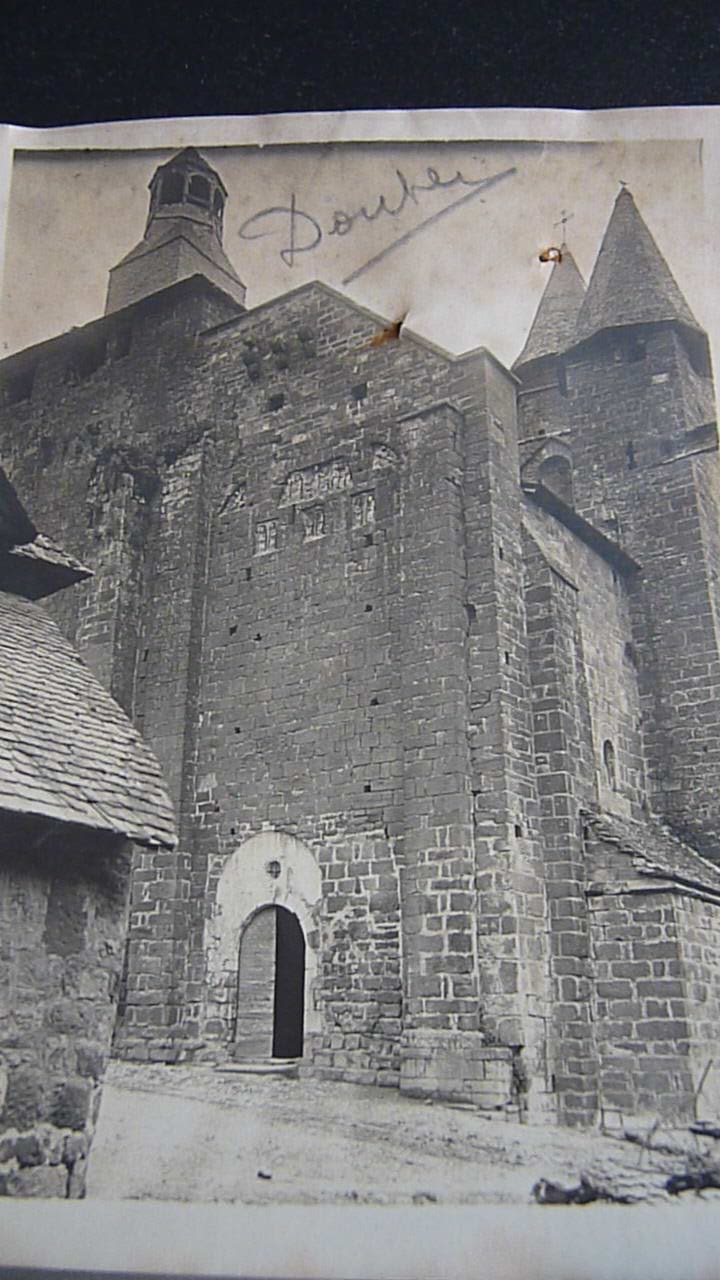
column 428, row 650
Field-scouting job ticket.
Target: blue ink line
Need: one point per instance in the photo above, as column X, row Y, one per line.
column 428, row 222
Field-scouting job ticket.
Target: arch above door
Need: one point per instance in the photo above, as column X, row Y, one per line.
column 271, row 869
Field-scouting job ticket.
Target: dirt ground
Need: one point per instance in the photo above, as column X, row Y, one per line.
column 194, row 1134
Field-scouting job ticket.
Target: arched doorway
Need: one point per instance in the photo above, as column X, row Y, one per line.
column 271, row 985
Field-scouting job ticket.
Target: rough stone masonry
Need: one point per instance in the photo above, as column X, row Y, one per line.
column 76, row 787
column 428, row 651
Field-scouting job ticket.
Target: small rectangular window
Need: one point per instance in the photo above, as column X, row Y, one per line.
column 87, row 360
column 266, row 537
column 363, row 509
column 313, row 519
column 19, row 386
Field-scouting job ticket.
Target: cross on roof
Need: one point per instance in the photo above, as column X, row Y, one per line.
column 563, row 220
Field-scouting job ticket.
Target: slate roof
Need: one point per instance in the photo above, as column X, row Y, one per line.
column 654, row 851
column 67, row 750
column 200, row 238
column 38, row 568
column 553, row 328
column 631, row 282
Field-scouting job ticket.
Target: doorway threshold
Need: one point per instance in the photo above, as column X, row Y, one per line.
column 266, row 1067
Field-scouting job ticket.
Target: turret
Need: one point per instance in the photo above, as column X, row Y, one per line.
column 553, row 328
column 632, row 285
column 183, row 235
column 540, row 367
column 640, row 411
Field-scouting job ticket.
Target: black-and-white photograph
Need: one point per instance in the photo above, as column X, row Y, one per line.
column 360, row 675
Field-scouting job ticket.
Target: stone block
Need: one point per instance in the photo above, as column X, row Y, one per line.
column 72, row 1105
column 26, row 1101
column 42, row 1181
column 90, row 1061
column 29, row 1150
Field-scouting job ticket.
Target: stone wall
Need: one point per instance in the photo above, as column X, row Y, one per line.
column 636, row 428
column 640, row 1007
column 63, row 915
column 656, row 998
column 312, row 593
column 698, row 924
column 285, row 509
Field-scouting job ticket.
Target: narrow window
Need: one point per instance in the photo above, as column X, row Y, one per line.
column 172, row 190
column 630, row 455
column 122, row 342
column 609, row 772
column 199, row 191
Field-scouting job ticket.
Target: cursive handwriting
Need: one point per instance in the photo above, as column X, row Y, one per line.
column 302, row 233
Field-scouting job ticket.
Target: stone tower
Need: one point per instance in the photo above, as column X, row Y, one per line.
column 183, row 235
column 634, row 398
column 424, row 648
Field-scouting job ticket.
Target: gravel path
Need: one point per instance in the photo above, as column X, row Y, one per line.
column 190, row 1133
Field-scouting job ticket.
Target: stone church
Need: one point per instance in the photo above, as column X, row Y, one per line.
column 428, row 650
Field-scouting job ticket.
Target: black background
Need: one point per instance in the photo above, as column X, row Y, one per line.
column 74, row 61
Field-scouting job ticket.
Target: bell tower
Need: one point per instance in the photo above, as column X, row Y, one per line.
column 183, row 235
column 643, row 441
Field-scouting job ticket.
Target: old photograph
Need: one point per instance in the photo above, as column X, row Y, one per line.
column 360, row 675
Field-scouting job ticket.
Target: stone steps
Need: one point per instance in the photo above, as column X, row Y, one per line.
column 261, row 1067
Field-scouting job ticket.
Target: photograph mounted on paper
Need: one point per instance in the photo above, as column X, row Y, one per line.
column 360, row 668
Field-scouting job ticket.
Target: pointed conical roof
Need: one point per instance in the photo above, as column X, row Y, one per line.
column 553, row 328
column 631, row 282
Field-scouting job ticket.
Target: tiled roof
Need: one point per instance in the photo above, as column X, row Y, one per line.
column 44, row 549
column 202, row 239
column 655, row 851
column 553, row 328
column 631, row 282
column 39, row 568
column 67, row 751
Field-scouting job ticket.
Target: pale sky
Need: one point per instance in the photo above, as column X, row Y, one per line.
column 470, row 278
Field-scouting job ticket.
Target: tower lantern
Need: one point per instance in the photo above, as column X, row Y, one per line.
column 186, row 187
column 183, row 235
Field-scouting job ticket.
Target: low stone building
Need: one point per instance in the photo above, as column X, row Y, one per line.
column 429, row 651
column 77, row 789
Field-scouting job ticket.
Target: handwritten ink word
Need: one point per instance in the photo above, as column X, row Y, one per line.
column 301, row 232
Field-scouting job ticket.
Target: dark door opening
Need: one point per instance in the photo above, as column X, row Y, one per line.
column 271, row 986
column 289, row 986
